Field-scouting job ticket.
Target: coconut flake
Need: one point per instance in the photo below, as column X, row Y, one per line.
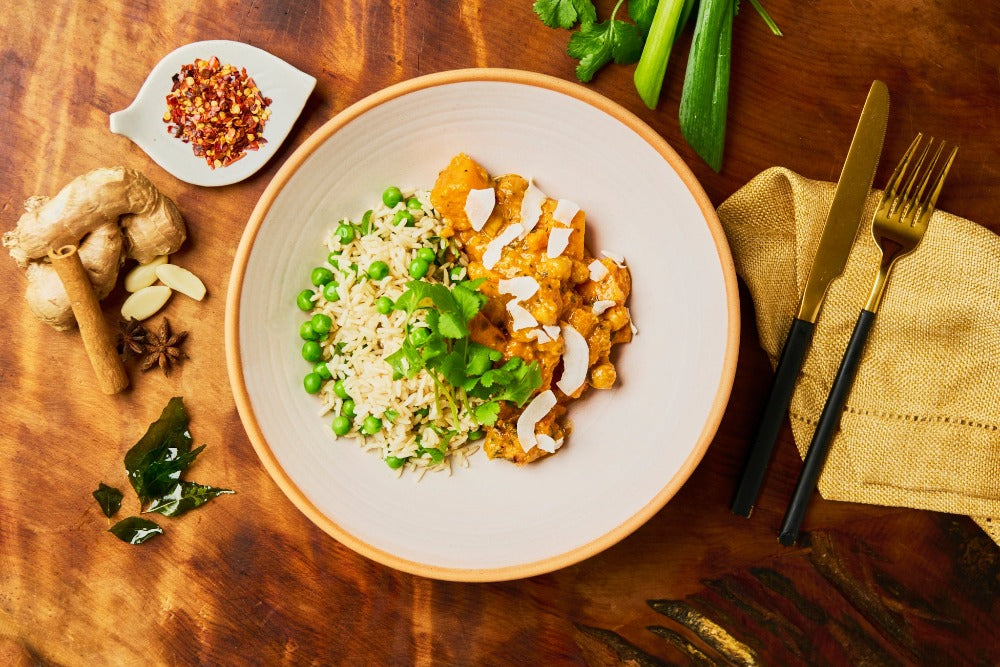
column 522, row 319
column 520, row 287
column 479, row 205
column 600, row 306
column 631, row 322
column 547, row 444
column 493, row 249
column 552, row 330
column 533, row 413
column 576, row 360
column 619, row 260
column 597, row 270
column 531, row 207
column 558, row 240
column 538, row 335
column 565, row 211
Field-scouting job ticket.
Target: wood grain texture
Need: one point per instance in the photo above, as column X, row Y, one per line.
column 248, row 580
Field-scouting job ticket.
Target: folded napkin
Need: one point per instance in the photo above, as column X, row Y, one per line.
column 921, row 427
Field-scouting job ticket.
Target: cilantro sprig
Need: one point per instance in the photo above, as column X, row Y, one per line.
column 464, row 372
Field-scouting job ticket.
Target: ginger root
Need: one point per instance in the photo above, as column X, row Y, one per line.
column 112, row 214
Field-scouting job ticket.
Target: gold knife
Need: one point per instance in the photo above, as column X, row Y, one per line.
column 841, row 227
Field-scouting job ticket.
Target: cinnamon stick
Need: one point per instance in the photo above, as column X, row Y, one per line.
column 98, row 340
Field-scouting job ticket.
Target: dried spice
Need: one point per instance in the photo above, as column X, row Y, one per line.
column 163, row 349
column 218, row 109
column 132, row 338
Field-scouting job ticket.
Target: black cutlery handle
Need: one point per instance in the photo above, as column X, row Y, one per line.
column 789, row 365
column 829, row 422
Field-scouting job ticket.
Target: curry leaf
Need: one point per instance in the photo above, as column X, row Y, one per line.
column 135, row 530
column 109, row 498
column 156, row 461
column 183, row 497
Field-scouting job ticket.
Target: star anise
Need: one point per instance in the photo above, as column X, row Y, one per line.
column 163, row 349
column 132, row 338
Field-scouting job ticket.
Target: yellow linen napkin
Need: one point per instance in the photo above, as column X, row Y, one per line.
column 921, row 427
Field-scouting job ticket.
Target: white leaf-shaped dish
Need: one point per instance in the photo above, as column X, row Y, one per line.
column 142, row 121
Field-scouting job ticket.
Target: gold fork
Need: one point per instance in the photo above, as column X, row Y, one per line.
column 898, row 227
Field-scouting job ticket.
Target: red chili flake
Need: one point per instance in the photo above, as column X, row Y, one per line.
column 218, row 109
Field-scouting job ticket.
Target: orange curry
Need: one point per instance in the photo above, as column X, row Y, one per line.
column 566, row 295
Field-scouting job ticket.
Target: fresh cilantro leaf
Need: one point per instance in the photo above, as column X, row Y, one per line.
column 183, row 497
column 469, row 301
column 432, row 349
column 487, row 413
column 416, row 291
column 497, row 376
column 436, row 454
column 565, row 13
column 473, row 285
column 431, row 319
column 481, row 359
column 452, row 368
column 596, row 44
column 443, row 299
column 109, row 498
column 642, row 11
column 452, row 325
column 527, row 379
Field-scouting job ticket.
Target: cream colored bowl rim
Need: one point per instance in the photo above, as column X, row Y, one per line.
column 291, row 166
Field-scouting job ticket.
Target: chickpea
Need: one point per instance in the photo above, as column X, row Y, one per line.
column 580, row 273
column 616, row 317
column 559, row 268
column 603, row 376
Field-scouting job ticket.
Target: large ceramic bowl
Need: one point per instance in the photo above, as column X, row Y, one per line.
column 632, row 447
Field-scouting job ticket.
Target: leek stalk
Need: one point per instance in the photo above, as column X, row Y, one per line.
column 706, row 82
column 652, row 65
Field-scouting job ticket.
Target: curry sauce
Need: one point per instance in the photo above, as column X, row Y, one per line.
column 569, row 286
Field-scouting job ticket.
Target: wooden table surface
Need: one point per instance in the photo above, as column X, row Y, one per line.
column 249, row 580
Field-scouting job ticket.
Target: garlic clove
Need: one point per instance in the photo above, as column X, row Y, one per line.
column 182, row 280
column 143, row 275
column 146, row 302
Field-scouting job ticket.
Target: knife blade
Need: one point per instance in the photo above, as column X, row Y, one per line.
column 839, row 232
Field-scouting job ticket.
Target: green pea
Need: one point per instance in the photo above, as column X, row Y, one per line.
column 330, row 291
column 394, row 462
column 322, row 370
column 307, row 332
column 312, row 351
column 304, row 300
column 418, row 268
column 405, row 217
column 383, row 304
column 322, row 323
column 366, row 223
column 419, row 336
column 391, row 196
column 333, row 259
column 341, row 425
column 378, row 270
column 312, row 382
column 414, row 204
column 344, row 233
column 427, row 255
column 348, row 408
column 476, row 435
column 371, row 425
column 456, row 273
column 340, row 390
column 320, row 276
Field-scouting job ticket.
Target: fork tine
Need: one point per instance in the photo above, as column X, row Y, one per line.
column 901, row 168
column 931, row 202
column 903, row 201
column 913, row 208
